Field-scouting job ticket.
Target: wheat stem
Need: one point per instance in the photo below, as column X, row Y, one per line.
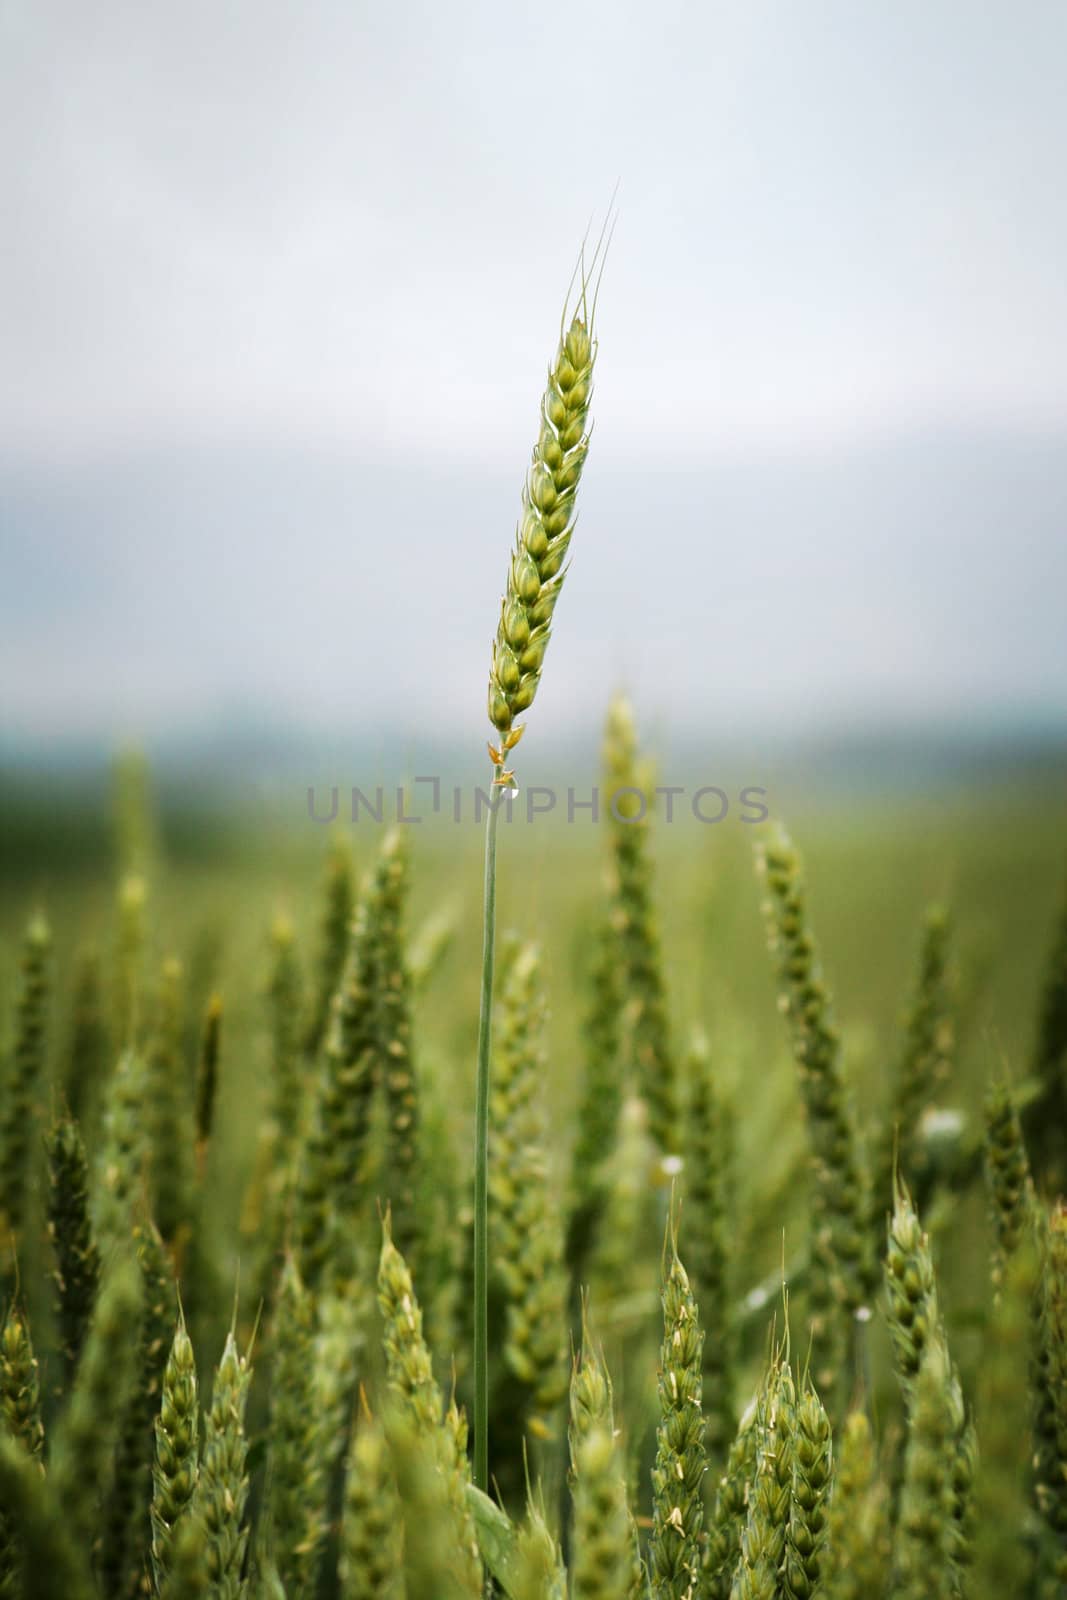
column 481, row 1156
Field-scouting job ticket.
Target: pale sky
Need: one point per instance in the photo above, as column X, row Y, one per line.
column 279, row 283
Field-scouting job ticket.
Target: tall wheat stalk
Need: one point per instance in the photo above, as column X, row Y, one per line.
column 535, row 578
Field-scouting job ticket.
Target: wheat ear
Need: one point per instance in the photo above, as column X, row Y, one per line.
column 1011, row 1189
column 648, row 1050
column 167, row 1107
column 339, row 898
column 707, row 1181
column 924, row 1061
column 47, row 1562
column 371, row 1563
column 1050, row 1422
column 842, row 1265
column 731, row 1501
column 529, row 1246
column 857, row 1564
column 763, row 1536
column 678, row 1475
column 295, row 1504
column 412, row 1380
column 126, row 1536
column 177, row 1462
column 812, row 1471
column 1044, row 1117
column 70, row 1229
column 23, row 1081
column 222, row 1486
column 83, row 1460
column 923, row 1564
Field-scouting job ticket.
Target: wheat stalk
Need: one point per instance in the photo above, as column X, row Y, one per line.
column 535, row 578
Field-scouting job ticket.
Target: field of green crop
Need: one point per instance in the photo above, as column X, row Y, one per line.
column 146, row 931
column 709, row 1247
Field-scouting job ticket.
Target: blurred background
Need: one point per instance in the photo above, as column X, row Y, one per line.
column 279, row 289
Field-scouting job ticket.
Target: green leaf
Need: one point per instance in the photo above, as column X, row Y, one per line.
column 496, row 1537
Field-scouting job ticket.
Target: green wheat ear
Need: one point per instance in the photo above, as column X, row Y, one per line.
column 1011, row 1190
column 678, row 1475
column 411, row 1379
column 858, row 1528
column 222, row 1487
column 549, row 503
column 71, row 1232
column 295, row 1489
column 177, row 1460
column 23, row 1081
column 20, row 1393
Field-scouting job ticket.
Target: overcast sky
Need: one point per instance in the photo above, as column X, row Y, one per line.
column 278, row 285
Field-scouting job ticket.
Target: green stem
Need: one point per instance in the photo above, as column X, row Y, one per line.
column 481, row 1160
